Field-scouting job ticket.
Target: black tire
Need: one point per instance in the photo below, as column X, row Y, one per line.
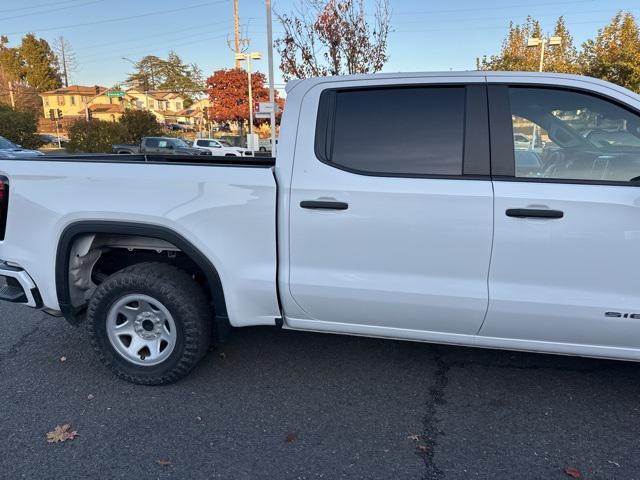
column 181, row 296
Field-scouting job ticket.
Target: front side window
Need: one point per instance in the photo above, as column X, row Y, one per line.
column 407, row 131
column 574, row 136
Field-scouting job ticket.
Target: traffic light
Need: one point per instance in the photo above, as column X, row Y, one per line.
column 59, row 114
column 51, row 114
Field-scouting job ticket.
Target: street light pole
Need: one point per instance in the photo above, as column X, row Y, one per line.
column 542, row 42
column 272, row 93
column 248, row 57
column 250, row 103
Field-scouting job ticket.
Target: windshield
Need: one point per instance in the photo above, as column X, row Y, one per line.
column 179, row 143
column 6, row 144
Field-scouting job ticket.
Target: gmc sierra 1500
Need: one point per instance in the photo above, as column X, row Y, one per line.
column 399, row 206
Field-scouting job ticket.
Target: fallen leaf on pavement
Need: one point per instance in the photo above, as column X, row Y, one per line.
column 61, row 434
column 414, row 437
column 90, row 396
column 63, row 359
column 292, row 437
column 164, row 463
column 572, row 472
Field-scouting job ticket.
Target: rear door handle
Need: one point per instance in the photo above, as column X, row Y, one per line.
column 534, row 213
column 324, row 204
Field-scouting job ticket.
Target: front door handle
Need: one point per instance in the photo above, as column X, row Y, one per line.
column 534, row 213
column 324, row 204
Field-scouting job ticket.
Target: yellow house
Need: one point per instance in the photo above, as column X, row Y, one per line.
column 69, row 100
column 110, row 108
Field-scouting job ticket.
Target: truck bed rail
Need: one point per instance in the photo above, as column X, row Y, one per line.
column 257, row 161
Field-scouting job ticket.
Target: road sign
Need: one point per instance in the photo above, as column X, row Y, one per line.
column 263, row 115
column 265, row 107
column 115, row 94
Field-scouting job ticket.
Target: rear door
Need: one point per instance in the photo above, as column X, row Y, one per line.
column 566, row 251
column 391, row 208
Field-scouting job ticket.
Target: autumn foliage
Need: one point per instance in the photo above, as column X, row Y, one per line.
column 229, row 94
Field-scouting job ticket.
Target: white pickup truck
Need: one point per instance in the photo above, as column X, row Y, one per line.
column 398, row 207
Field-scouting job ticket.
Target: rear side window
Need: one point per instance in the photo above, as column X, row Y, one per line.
column 408, row 131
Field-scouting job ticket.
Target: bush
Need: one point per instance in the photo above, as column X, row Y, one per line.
column 95, row 136
column 19, row 127
column 138, row 124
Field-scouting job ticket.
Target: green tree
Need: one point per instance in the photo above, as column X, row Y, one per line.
column 139, row 123
column 154, row 73
column 614, row 54
column 95, row 136
column 19, row 126
column 40, row 67
column 516, row 56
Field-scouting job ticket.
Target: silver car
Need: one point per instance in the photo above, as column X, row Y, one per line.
column 11, row 150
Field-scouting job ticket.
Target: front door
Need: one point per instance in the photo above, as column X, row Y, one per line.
column 566, row 253
column 391, row 210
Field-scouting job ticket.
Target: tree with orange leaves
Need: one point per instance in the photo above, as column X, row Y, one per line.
column 229, row 94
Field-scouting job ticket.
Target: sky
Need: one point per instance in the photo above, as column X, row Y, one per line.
column 427, row 35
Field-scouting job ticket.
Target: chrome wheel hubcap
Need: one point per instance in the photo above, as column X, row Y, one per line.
column 141, row 329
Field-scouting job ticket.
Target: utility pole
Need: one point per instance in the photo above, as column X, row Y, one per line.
column 272, row 92
column 236, row 31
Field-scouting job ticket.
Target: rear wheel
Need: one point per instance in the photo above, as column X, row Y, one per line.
column 150, row 323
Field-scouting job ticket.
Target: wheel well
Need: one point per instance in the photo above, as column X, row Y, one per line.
column 89, row 252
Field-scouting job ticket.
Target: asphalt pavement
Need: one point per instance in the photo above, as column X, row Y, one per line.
column 276, row 404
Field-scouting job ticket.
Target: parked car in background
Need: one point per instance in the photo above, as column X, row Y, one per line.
column 49, row 140
column 162, row 145
column 219, row 147
column 521, row 141
column 265, row 145
column 9, row 149
column 397, row 207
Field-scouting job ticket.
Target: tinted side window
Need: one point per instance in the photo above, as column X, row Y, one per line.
column 563, row 134
column 399, row 131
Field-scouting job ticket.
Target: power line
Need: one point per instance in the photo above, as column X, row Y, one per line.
column 119, row 19
column 57, row 9
column 502, row 7
column 478, row 19
column 31, row 7
column 146, row 37
column 501, row 27
column 155, row 49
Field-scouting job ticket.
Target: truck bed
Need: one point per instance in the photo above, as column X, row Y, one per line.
column 224, row 207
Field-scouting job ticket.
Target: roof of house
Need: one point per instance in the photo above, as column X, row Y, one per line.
column 157, row 94
column 76, row 90
column 106, row 108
